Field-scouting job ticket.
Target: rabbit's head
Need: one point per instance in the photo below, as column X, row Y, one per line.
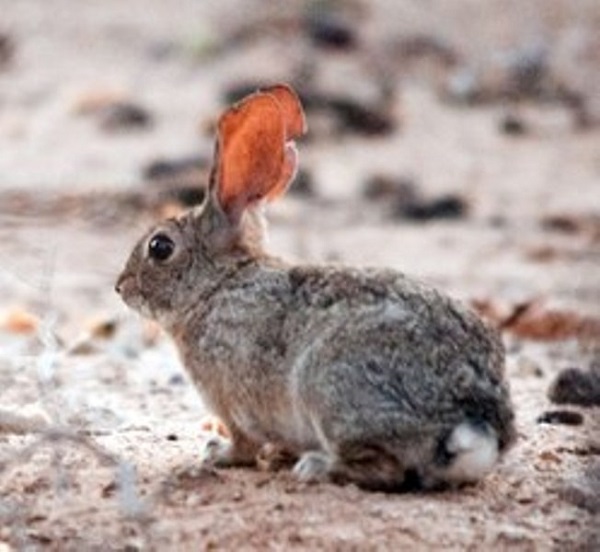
column 255, row 161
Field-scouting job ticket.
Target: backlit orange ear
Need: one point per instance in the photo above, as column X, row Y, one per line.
column 255, row 158
column 295, row 122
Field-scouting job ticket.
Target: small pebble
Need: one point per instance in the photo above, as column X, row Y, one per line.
column 447, row 207
column 513, row 125
column 176, row 379
column 367, row 120
column 328, row 30
column 382, row 187
column 560, row 417
column 575, row 386
column 102, row 328
column 124, row 116
column 7, row 49
column 170, row 168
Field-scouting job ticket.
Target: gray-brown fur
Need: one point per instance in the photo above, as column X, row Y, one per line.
column 362, row 374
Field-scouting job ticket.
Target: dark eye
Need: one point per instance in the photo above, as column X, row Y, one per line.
column 161, row 247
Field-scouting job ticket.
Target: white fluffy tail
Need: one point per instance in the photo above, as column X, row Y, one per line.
column 475, row 451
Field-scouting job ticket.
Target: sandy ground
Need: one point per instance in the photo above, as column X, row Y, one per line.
column 104, row 444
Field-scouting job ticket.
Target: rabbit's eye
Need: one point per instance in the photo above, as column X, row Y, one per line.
column 161, row 247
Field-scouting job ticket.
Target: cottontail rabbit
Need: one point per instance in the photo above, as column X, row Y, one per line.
column 363, row 375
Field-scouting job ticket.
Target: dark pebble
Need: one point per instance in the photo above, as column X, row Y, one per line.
column 7, row 49
column 381, row 187
column 169, row 168
column 566, row 224
column 575, row 386
column 359, row 118
column 124, row 116
column 330, row 31
column 513, row 125
column 444, row 207
column 422, row 46
column 172, row 437
column 176, row 379
column 528, row 73
column 560, row 417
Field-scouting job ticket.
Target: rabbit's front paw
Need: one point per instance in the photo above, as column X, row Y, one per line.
column 217, row 451
column 312, row 467
column 224, row 448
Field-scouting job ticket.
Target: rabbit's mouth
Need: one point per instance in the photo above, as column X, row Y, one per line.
column 124, row 284
column 127, row 288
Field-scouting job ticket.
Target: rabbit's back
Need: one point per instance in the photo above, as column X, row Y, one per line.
column 420, row 354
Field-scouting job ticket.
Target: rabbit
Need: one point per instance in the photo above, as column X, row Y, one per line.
column 363, row 376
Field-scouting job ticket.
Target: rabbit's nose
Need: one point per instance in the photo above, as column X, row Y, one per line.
column 119, row 284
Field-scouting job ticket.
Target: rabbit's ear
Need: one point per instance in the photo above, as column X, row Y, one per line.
column 255, row 157
column 292, row 109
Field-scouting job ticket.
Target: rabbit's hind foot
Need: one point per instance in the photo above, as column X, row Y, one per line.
column 366, row 466
column 312, row 467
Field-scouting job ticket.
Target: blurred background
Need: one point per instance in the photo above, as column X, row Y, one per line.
column 93, row 92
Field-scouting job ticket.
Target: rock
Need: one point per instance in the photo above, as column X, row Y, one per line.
column 575, row 386
column 527, row 72
column 449, row 206
column 124, row 116
column 7, row 50
column 574, row 224
column 401, row 195
column 159, row 169
column 330, row 30
column 426, row 46
column 562, row 417
column 177, row 379
column 513, row 124
column 360, row 118
column 102, row 327
column 397, row 190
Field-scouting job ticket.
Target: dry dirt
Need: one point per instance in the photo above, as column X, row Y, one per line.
column 100, row 429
